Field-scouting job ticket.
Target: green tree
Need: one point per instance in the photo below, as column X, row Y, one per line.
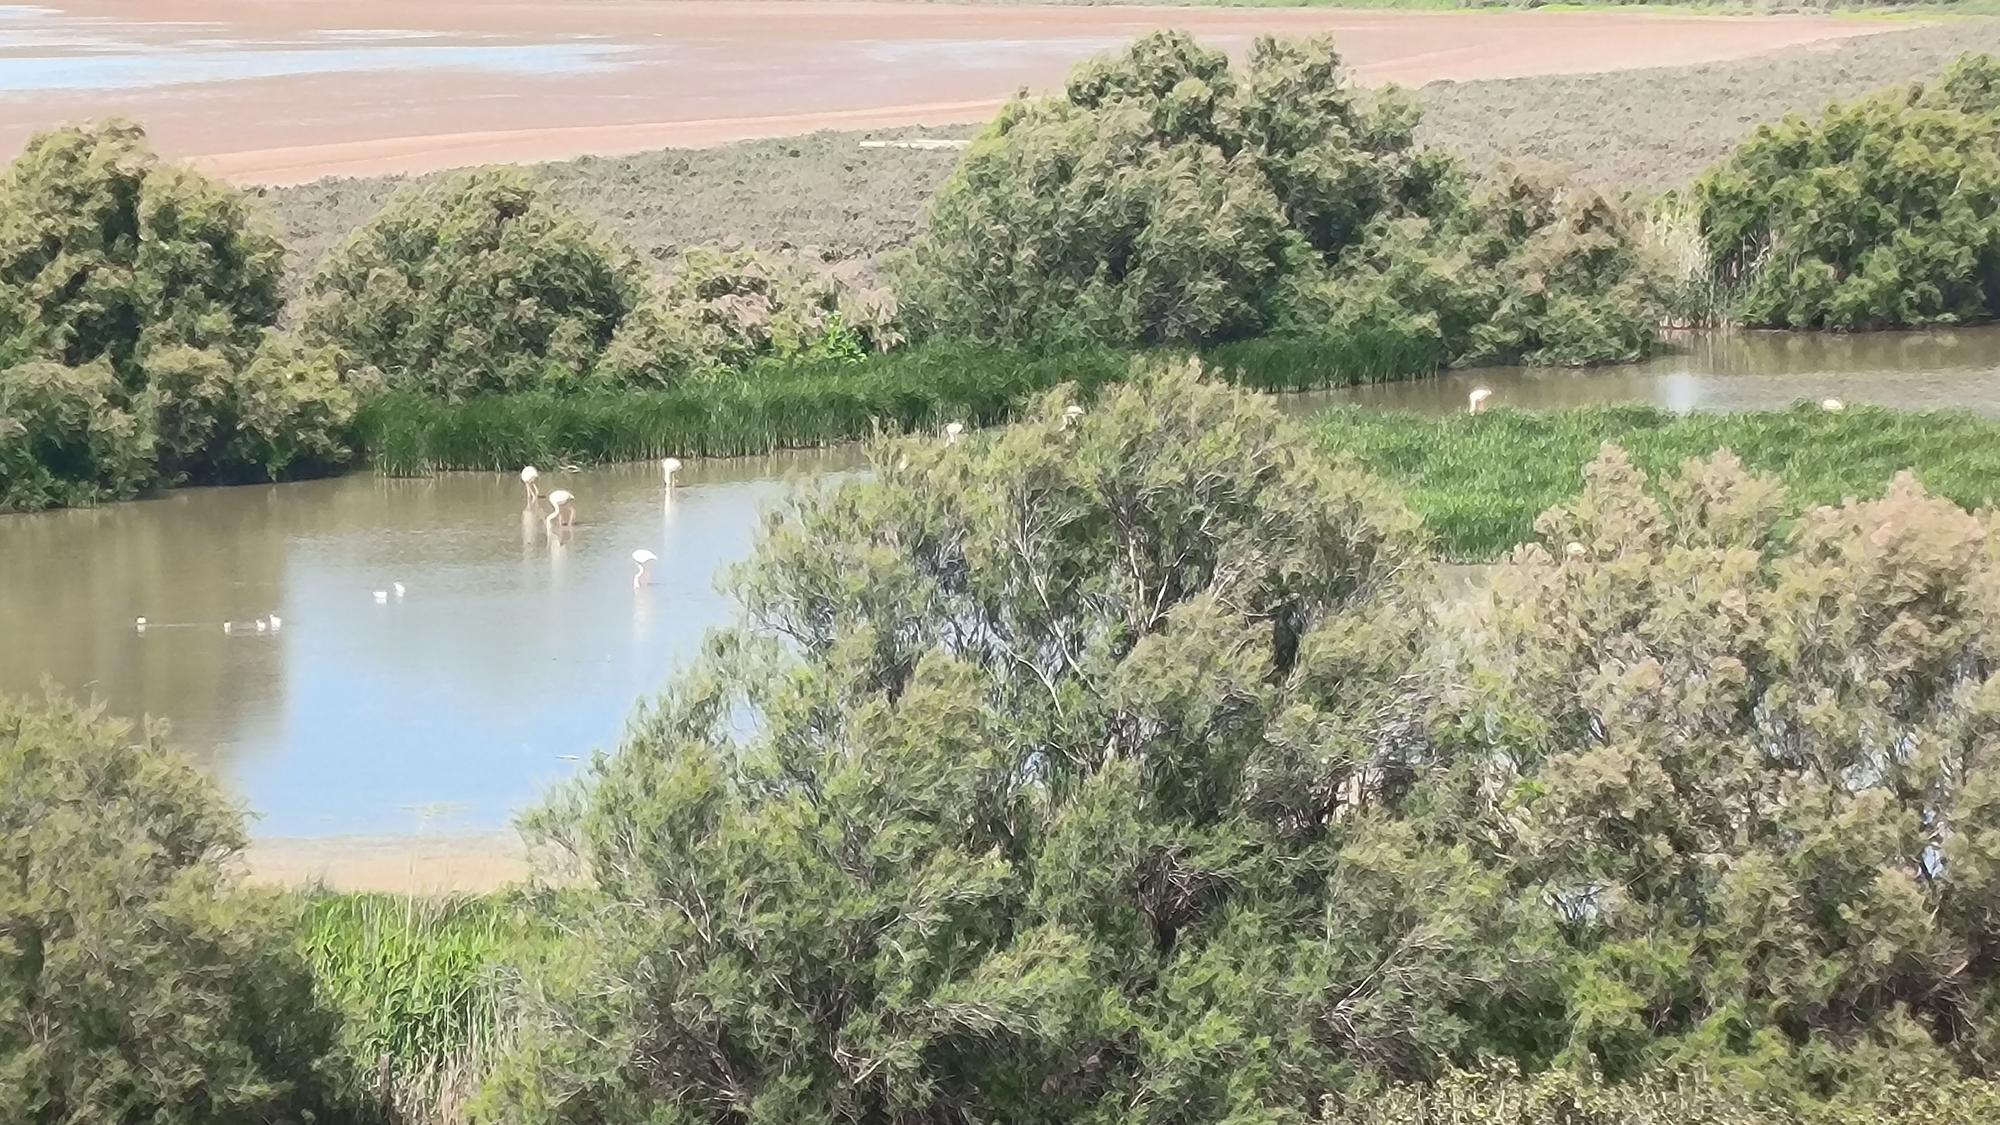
column 106, row 253
column 65, row 438
column 474, row 285
column 1162, row 198
column 138, row 983
column 1883, row 213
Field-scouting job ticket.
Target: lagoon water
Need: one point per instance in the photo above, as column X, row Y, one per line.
column 511, row 654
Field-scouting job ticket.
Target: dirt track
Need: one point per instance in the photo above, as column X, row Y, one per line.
column 363, row 87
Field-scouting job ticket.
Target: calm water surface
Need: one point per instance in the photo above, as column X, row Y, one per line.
column 509, row 655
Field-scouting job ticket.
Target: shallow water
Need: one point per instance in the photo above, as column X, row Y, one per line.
column 509, row 654
column 1956, row 369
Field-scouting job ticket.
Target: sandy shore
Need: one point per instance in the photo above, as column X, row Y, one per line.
column 439, row 864
column 363, row 87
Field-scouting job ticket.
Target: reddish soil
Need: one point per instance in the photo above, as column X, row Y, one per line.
column 700, row 72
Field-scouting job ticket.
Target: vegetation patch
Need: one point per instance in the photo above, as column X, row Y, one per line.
column 1481, row 480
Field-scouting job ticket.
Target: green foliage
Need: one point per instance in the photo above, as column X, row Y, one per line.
column 64, row 439
column 1011, row 834
column 1744, row 766
column 419, row 984
column 105, row 253
column 1884, row 213
column 474, row 285
column 1125, row 767
column 818, row 401
column 138, row 983
column 1527, row 270
column 1162, row 198
column 725, row 311
column 1480, row 480
column 135, row 305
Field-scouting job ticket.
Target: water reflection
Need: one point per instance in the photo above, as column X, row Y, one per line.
column 509, row 649
column 514, row 648
column 1953, row 369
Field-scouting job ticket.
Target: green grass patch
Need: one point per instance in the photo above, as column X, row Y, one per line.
column 1480, row 480
column 418, row 983
column 802, row 405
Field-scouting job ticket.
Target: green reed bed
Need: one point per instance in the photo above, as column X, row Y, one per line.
column 1480, row 480
column 418, row 983
column 802, row 405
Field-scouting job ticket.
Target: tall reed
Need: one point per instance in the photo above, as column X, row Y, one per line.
column 418, row 983
column 805, row 404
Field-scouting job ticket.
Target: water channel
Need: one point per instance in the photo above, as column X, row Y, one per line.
column 508, row 655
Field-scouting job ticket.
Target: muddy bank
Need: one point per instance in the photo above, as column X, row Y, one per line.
column 366, row 87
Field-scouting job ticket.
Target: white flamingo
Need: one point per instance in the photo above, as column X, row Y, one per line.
column 1476, row 401
column 668, row 467
column 559, row 510
column 644, row 559
column 529, row 476
column 952, row 431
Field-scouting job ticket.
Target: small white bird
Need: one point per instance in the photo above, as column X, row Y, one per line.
column 139, row 623
column 1574, row 550
column 381, row 596
column 276, row 621
column 559, row 509
column 952, row 430
column 644, row 559
column 1476, row 401
column 262, row 624
column 1071, row 413
column 1832, row 405
column 398, row 587
column 529, row 476
column 227, row 627
column 668, row 467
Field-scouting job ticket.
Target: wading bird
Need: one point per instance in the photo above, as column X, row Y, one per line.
column 529, row 476
column 398, row 587
column 1476, row 401
column 381, row 596
column 262, row 624
column 1832, row 405
column 644, row 559
column 276, row 622
column 559, row 510
column 952, row 431
column 668, row 467
column 1071, row 413
column 139, row 623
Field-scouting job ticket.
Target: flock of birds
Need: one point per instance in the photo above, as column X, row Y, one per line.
column 562, row 513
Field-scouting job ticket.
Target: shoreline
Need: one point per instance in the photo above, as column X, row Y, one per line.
column 416, row 864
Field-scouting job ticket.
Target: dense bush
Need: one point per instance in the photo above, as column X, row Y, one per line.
column 1526, row 269
column 726, row 310
column 1165, row 198
column 64, row 438
column 473, row 285
column 1162, row 198
column 138, row 983
column 1883, row 213
column 1111, row 769
column 136, row 301
column 106, row 253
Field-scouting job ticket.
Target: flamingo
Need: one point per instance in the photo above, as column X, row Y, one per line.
column 1832, row 405
column 668, row 467
column 644, row 559
column 952, row 431
column 559, row 509
column 1476, row 401
column 1071, row 413
column 529, row 476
